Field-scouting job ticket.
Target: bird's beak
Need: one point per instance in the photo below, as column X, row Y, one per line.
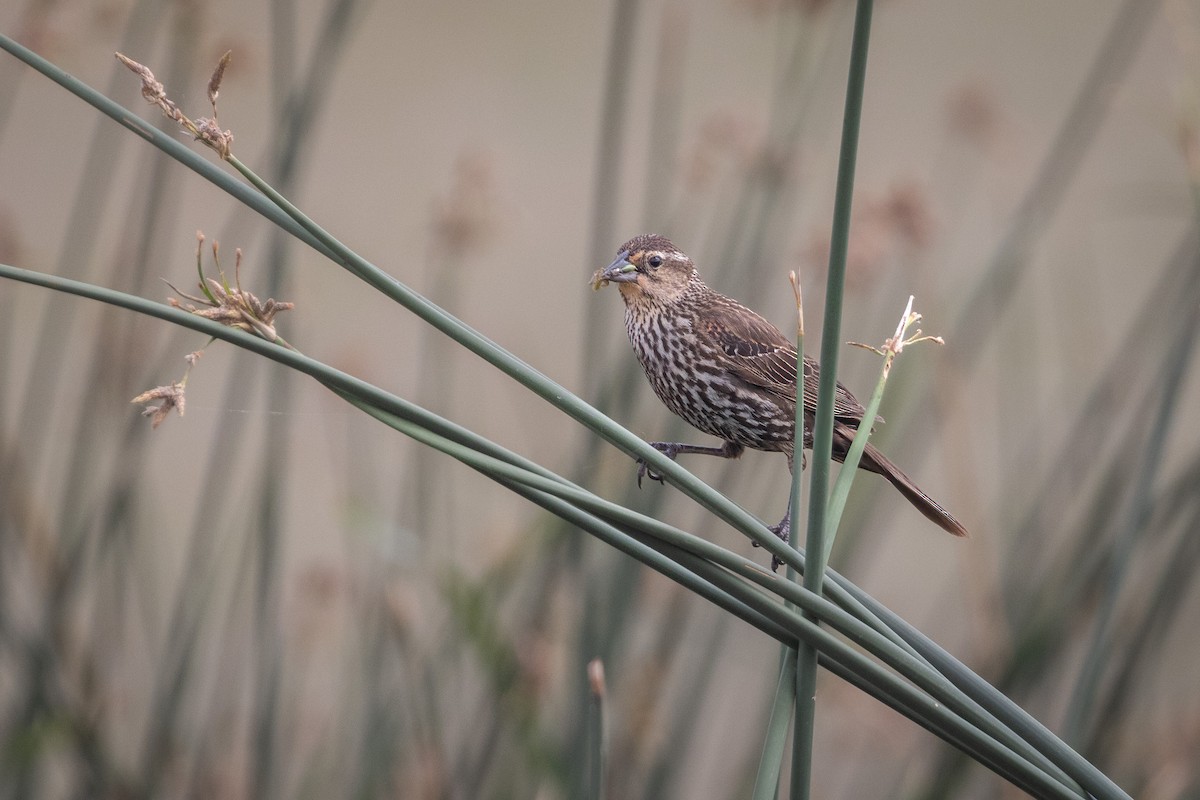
column 619, row 271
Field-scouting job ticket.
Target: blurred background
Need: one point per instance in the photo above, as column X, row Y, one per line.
column 275, row 596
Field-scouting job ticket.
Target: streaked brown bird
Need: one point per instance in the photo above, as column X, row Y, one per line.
column 729, row 372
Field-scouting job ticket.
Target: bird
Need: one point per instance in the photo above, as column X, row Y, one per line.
column 729, row 372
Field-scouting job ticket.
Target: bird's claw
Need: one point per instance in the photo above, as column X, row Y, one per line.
column 644, row 471
column 668, row 449
column 784, row 531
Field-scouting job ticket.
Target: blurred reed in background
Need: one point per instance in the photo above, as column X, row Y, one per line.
column 271, row 598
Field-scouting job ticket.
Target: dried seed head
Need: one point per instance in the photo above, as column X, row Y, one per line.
column 208, row 131
column 153, row 91
column 214, row 83
column 230, row 305
column 205, row 129
column 169, row 397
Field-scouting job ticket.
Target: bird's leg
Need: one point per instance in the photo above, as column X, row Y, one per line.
column 673, row 449
column 784, row 529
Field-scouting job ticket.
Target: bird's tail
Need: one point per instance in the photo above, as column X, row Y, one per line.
column 875, row 461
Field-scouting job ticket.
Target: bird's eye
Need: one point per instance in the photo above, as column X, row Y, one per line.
column 655, row 261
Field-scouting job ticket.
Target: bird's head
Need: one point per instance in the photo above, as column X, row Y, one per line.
column 649, row 268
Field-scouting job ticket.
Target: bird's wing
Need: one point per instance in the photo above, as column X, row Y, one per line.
column 845, row 405
column 762, row 356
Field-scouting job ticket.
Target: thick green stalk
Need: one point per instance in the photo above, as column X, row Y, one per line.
column 766, row 782
column 823, row 429
column 1093, row 781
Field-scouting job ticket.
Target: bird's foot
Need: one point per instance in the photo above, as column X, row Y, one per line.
column 784, row 531
column 668, row 449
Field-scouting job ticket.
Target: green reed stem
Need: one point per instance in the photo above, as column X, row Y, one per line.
column 818, row 506
column 766, row 782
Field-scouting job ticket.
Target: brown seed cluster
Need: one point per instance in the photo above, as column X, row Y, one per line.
column 204, row 129
column 230, row 305
column 220, row 302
